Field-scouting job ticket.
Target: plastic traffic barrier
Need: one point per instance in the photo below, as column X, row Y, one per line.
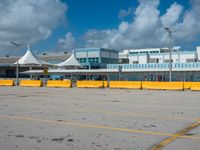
column 163, row 85
column 90, row 84
column 195, row 86
column 6, row 82
column 187, row 85
column 31, row 83
column 126, row 84
column 59, row 83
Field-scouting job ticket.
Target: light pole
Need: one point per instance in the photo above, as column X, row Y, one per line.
column 17, row 67
column 170, row 52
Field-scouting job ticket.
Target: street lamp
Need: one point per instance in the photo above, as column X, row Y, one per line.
column 17, row 67
column 170, row 52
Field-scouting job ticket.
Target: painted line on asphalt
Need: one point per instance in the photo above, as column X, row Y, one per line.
column 115, row 113
column 179, row 134
column 78, row 124
column 127, row 114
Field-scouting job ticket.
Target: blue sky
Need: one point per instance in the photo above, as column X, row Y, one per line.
column 98, row 14
column 87, row 14
column 61, row 25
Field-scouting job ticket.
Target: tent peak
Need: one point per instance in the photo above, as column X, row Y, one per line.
column 30, row 58
column 70, row 62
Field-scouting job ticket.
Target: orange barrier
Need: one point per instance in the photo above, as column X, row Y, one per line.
column 90, row 84
column 31, row 83
column 126, row 84
column 59, row 83
column 195, row 86
column 162, row 85
column 105, row 84
column 6, row 82
column 187, row 85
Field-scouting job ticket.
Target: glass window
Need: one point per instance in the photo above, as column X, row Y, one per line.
column 82, row 60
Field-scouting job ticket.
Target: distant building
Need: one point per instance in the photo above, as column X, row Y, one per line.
column 153, row 64
column 8, row 70
column 149, row 64
column 159, row 55
column 95, row 58
column 91, row 58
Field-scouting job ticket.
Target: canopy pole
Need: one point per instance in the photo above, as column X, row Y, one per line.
column 17, row 73
column 31, row 76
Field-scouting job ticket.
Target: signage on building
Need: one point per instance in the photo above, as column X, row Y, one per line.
column 45, row 71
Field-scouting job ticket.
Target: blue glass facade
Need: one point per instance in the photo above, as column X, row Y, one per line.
column 96, row 57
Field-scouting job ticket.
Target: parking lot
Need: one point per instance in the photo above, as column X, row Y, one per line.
column 103, row 119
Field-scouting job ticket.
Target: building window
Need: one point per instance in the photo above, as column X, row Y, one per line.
column 154, row 51
column 135, row 62
column 153, row 60
column 167, row 61
column 133, row 52
column 93, row 60
column 82, row 60
column 190, row 60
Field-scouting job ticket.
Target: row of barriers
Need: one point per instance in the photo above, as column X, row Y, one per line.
column 195, row 86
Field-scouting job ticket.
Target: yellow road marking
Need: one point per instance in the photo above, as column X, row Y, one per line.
column 179, row 134
column 176, row 117
column 95, row 126
column 149, row 115
column 127, row 114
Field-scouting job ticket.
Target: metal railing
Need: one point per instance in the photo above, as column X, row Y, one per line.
column 155, row 66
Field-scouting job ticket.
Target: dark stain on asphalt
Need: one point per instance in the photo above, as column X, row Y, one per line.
column 190, row 134
column 60, row 140
column 32, row 137
column 70, row 140
column 153, row 126
column 23, row 96
column 150, row 126
column 59, row 120
column 19, row 136
column 115, row 101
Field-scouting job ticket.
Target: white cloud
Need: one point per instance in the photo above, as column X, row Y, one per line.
column 67, row 43
column 124, row 13
column 189, row 28
column 140, row 32
column 172, row 15
column 146, row 28
column 29, row 20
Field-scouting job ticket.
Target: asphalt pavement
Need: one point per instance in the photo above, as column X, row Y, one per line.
column 98, row 119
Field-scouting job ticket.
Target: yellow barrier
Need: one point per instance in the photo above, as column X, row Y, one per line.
column 187, row 85
column 58, row 83
column 195, row 86
column 6, row 83
column 105, row 84
column 90, row 84
column 126, row 84
column 31, row 83
column 163, row 85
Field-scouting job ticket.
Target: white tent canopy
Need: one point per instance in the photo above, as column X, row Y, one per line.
column 30, row 59
column 70, row 62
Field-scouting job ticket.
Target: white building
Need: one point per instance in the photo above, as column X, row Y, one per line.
column 159, row 55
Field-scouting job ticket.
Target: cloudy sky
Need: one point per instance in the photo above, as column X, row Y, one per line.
column 61, row 25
